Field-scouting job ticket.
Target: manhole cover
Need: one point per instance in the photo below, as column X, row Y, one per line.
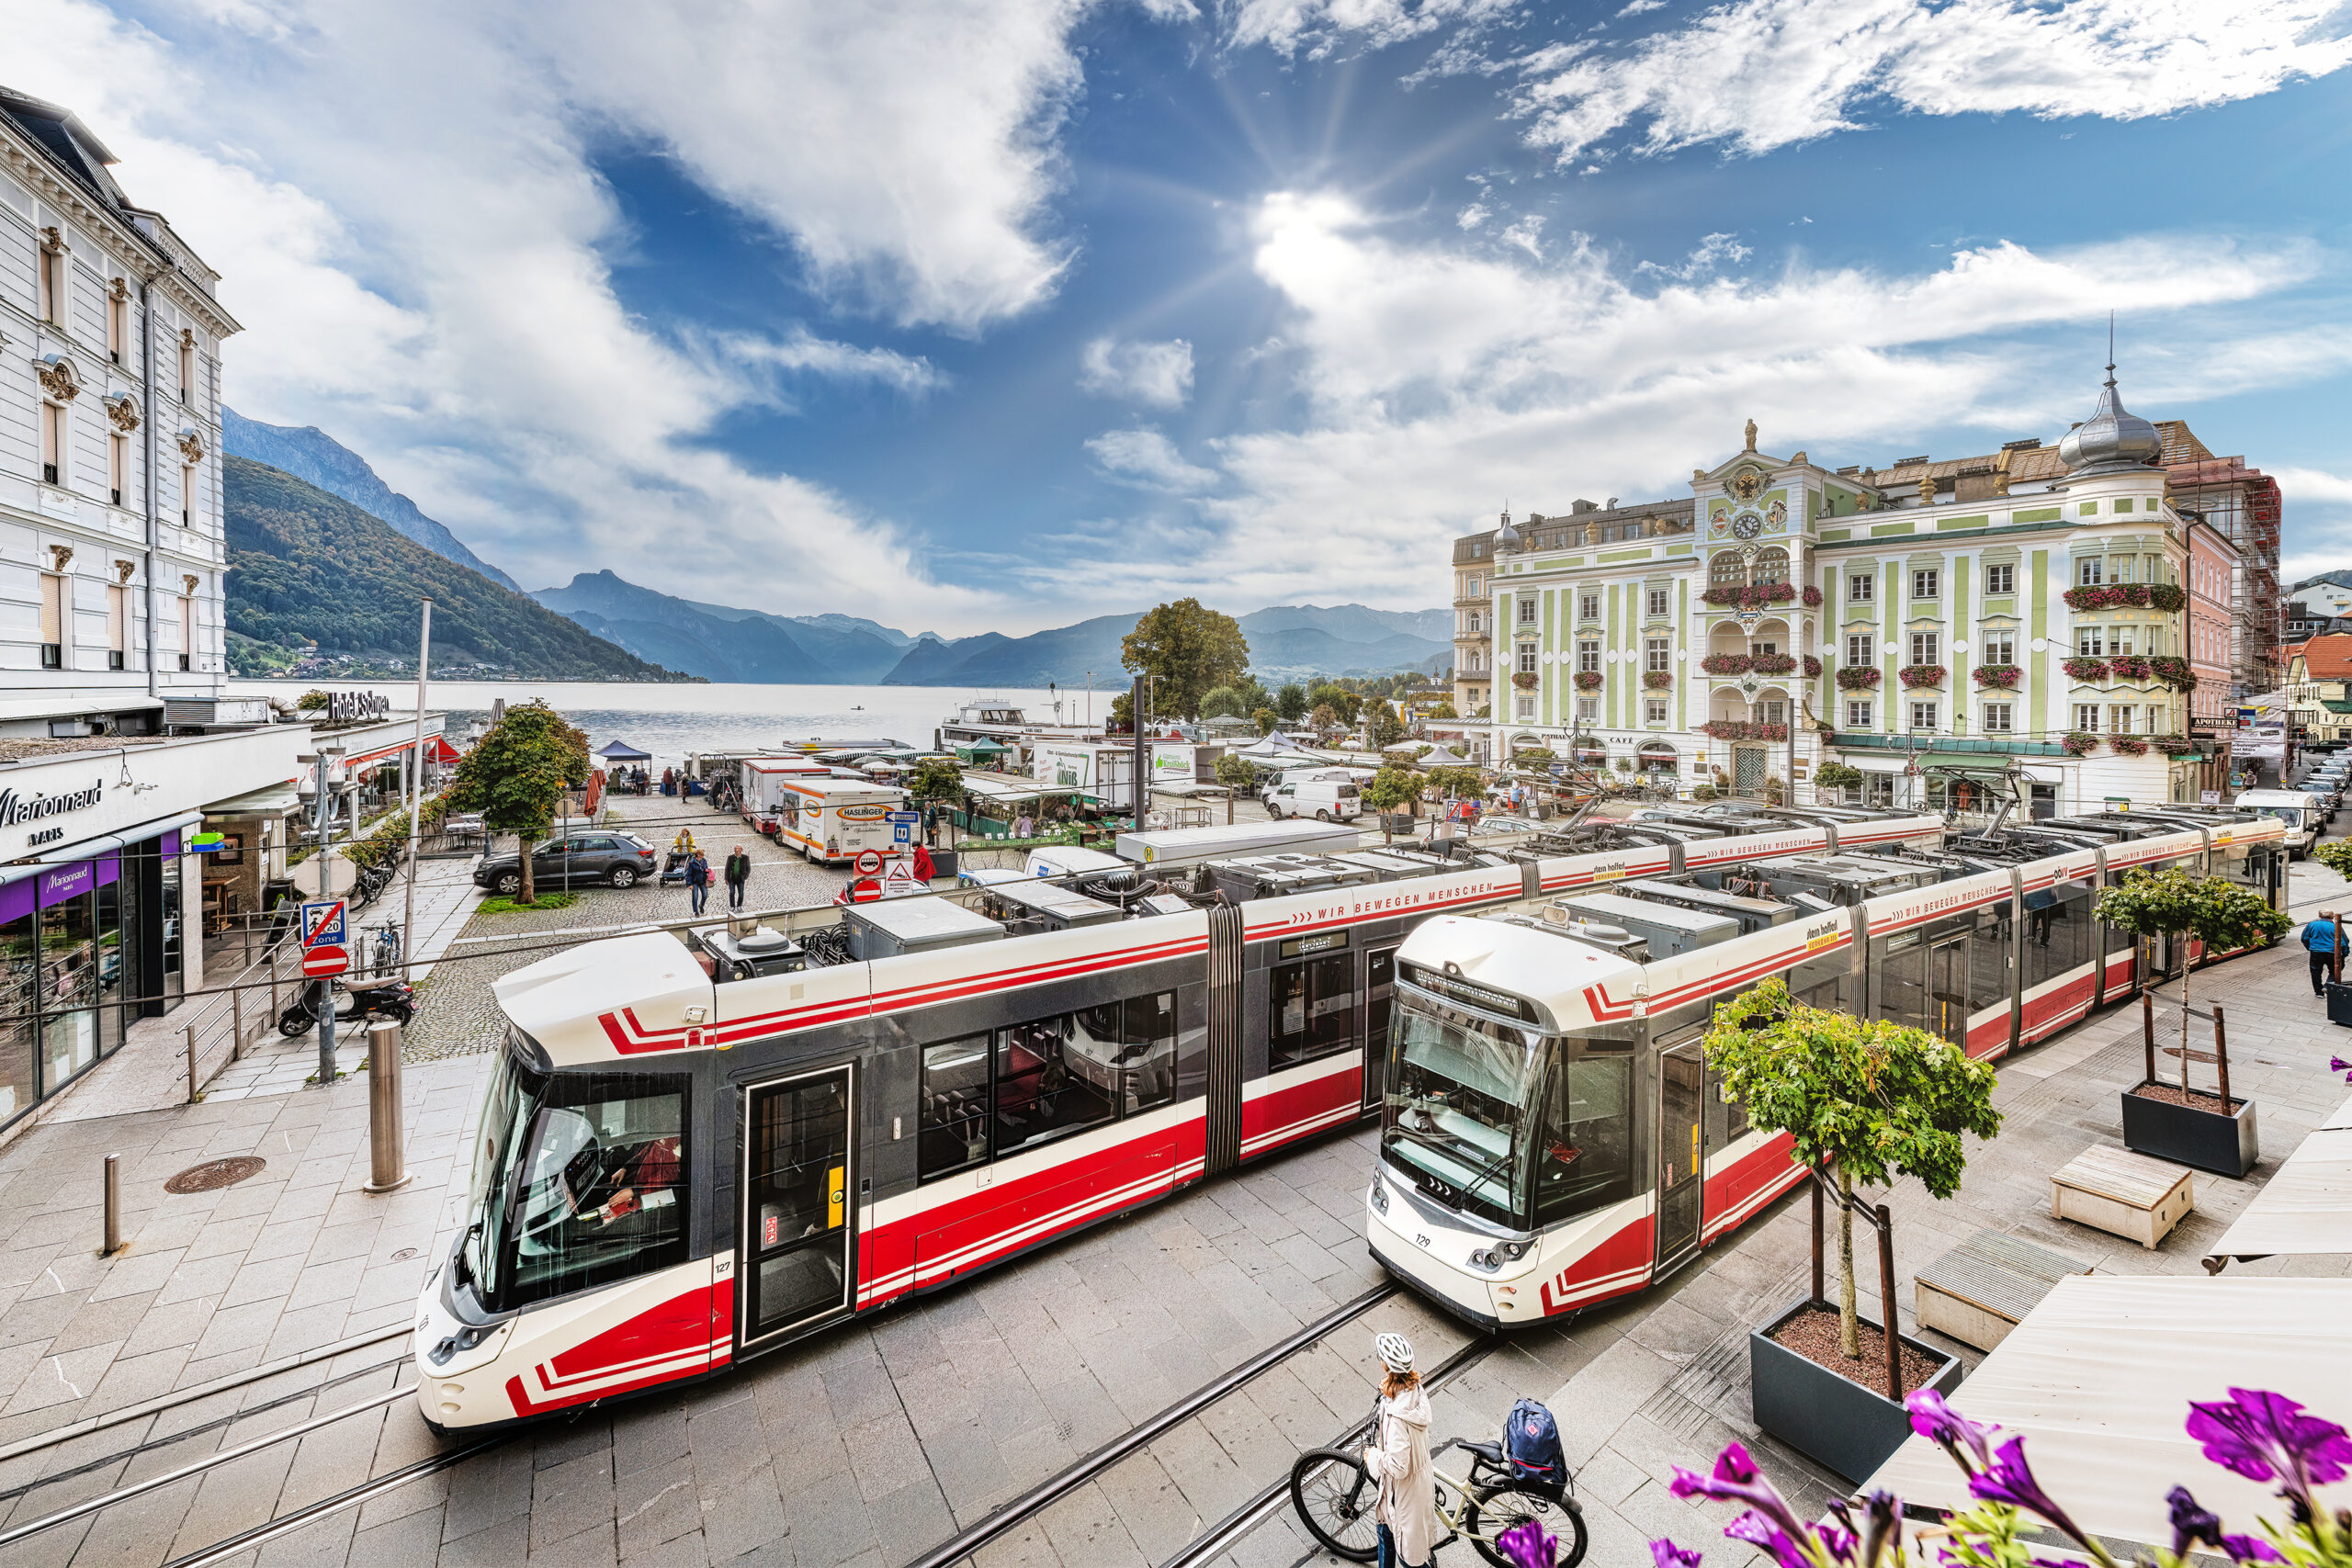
column 213, row 1174
column 403, row 1255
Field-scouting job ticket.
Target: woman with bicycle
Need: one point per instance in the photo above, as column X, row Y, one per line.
column 1398, row 1460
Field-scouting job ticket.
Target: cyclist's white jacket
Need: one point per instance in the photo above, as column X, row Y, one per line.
column 1400, row 1462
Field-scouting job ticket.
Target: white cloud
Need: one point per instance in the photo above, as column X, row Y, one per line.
column 404, row 207
column 1472, row 216
column 1757, row 74
column 1156, row 374
column 1144, row 458
column 1526, row 234
column 1713, row 253
column 1441, row 379
column 1641, row 7
column 1318, row 28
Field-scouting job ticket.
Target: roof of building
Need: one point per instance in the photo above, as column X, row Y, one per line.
column 1584, row 512
column 2328, row 657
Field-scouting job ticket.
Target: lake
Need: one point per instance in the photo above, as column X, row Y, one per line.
column 672, row 720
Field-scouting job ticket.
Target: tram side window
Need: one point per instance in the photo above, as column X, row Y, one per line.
column 1988, row 961
column 603, row 1193
column 1821, row 982
column 2058, row 931
column 1584, row 1159
column 951, row 1129
column 1043, row 1088
column 1313, row 1008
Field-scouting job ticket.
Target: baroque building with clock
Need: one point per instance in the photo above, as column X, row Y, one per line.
column 2082, row 611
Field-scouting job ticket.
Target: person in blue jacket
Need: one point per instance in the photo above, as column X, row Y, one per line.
column 2319, row 940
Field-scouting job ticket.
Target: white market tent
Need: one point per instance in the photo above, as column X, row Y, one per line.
column 2098, row 1380
column 1444, row 757
column 2305, row 1207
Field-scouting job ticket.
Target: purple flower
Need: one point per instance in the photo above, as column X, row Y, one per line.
column 2191, row 1523
column 1737, row 1480
column 1934, row 1419
column 2009, row 1480
column 2263, row 1435
column 1756, row 1529
column 2249, row 1549
column 1664, row 1553
column 1527, row 1545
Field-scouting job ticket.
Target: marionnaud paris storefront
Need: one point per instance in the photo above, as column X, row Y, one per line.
column 96, row 880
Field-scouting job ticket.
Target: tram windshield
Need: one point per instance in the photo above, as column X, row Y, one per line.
column 1510, row 1125
column 579, row 1179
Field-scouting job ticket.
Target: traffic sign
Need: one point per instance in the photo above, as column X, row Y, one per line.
column 869, row 862
column 322, row 923
column 902, row 878
column 326, row 959
column 903, row 825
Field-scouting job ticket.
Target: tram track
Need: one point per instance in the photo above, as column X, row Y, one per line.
column 1021, row 1509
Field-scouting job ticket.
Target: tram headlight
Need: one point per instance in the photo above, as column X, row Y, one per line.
column 1493, row 1257
column 467, row 1339
column 1379, row 1196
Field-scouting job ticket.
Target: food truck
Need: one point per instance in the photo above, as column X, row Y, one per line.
column 836, row 819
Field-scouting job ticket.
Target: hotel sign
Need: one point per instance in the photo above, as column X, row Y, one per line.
column 353, row 707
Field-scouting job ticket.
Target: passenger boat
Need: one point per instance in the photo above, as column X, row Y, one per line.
column 1551, row 1133
column 682, row 1165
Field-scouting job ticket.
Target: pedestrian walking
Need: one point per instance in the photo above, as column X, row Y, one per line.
column 1398, row 1460
column 698, row 880
column 2319, row 940
column 738, row 872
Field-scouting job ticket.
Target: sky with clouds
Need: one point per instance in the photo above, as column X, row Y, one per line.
column 976, row 316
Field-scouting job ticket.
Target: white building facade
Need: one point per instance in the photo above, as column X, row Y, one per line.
column 111, row 541
column 1909, row 625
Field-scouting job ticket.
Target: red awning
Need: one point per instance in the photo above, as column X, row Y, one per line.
column 439, row 751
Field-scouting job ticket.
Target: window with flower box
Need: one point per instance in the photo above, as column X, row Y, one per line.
column 1861, row 648
column 1658, row 654
column 2090, row 642
column 1526, row 659
column 2119, row 717
column 1588, row 657
column 1927, row 647
column 1997, row 647
column 2091, row 571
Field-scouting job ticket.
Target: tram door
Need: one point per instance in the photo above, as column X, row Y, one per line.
column 797, row 1238
column 1681, row 1163
column 1379, row 998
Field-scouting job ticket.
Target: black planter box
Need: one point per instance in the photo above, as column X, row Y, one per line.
column 1829, row 1418
column 943, row 862
column 2202, row 1140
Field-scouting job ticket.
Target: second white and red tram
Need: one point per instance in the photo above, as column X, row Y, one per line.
column 1552, row 1135
column 673, row 1171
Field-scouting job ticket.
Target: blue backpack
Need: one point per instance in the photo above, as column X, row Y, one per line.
column 1531, row 1444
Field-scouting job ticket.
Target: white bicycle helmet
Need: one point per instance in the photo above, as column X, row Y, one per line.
column 1396, row 1352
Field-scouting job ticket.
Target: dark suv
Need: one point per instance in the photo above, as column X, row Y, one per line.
column 619, row 859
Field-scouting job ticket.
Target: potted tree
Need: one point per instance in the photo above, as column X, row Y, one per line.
column 1390, row 791
column 1863, row 1101
column 2172, row 1121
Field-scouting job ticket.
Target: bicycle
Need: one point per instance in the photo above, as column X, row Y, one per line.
column 1334, row 1495
column 386, row 959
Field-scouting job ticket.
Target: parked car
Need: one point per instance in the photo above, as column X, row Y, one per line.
column 573, row 860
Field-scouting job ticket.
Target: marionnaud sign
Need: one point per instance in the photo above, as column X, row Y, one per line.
column 17, row 810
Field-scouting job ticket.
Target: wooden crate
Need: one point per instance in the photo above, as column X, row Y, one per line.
column 1982, row 1288
column 2123, row 1193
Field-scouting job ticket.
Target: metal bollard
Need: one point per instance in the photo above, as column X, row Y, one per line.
column 388, row 1163
column 114, row 1206
column 237, row 1023
column 192, row 1096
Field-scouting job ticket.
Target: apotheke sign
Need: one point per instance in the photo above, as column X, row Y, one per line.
column 352, row 707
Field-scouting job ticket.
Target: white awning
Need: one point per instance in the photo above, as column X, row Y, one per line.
column 2098, row 1380
column 2305, row 1207
column 275, row 801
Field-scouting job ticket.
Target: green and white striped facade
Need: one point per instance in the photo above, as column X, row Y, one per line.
column 1954, row 564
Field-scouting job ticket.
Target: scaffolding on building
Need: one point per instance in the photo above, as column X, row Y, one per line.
column 2244, row 505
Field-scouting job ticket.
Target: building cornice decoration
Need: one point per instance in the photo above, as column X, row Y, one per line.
column 59, row 379
column 60, row 556
column 190, row 579
column 123, row 568
column 54, row 241
column 123, row 412
column 35, row 171
column 119, row 292
column 191, row 443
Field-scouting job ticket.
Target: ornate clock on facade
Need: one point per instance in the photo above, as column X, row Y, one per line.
column 1746, row 525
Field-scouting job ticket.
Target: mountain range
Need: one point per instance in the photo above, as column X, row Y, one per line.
column 658, row 633
column 318, row 585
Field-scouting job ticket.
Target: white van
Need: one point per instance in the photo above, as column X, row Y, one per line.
column 2300, row 811
column 1326, row 800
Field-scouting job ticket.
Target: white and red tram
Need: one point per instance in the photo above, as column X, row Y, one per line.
column 1552, row 1135
column 674, row 1171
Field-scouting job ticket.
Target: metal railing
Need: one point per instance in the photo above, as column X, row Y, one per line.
column 224, row 1026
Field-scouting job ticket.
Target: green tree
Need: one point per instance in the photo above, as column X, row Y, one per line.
column 1291, row 702
column 936, row 779
column 1457, row 783
column 1875, row 1099
column 1222, row 702
column 516, row 775
column 1386, row 728
column 2213, row 909
column 1389, row 790
column 311, row 702
column 1239, row 775
column 1338, row 699
column 1443, row 710
column 1123, row 715
column 1265, row 719
column 1325, row 718
column 1188, row 649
